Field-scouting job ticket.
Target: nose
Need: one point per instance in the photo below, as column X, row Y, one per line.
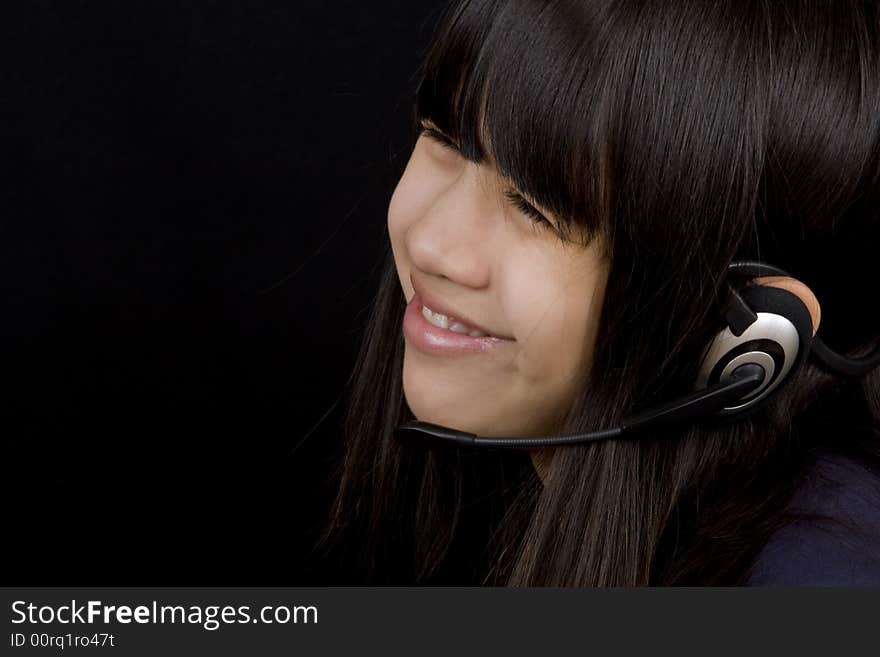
column 456, row 236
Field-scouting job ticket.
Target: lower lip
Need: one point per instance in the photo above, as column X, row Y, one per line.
column 431, row 339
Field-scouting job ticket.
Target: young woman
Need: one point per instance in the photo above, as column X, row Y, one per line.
column 583, row 174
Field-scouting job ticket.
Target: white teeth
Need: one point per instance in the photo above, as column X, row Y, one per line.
column 442, row 321
column 435, row 318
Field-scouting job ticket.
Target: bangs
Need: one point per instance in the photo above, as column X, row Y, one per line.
column 517, row 83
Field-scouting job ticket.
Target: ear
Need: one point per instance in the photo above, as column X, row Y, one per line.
column 797, row 288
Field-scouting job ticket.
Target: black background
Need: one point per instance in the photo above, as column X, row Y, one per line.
column 192, row 209
column 193, row 198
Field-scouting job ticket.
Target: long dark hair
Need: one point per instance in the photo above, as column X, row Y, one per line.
column 688, row 134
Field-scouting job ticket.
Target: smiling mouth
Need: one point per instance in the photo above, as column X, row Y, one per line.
column 451, row 324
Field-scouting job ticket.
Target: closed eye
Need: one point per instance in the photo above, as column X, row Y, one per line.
column 440, row 138
column 512, row 196
column 525, row 207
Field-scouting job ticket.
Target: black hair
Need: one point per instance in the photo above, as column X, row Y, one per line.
column 686, row 135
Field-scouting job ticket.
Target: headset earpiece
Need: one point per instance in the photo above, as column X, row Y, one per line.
column 767, row 326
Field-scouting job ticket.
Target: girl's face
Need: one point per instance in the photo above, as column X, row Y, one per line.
column 463, row 249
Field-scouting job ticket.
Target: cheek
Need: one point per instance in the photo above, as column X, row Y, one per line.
column 403, row 209
column 412, row 196
column 557, row 349
column 400, row 212
column 410, row 201
column 558, row 323
column 572, row 355
column 555, row 363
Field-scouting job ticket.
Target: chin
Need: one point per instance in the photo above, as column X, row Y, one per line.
column 437, row 404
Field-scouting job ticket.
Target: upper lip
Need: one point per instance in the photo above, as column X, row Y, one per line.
column 438, row 306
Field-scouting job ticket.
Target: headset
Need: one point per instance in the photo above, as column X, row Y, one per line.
column 769, row 334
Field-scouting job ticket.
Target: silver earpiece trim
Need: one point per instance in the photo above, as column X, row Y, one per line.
column 768, row 326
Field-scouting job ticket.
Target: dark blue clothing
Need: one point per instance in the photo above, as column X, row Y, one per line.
column 841, row 548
